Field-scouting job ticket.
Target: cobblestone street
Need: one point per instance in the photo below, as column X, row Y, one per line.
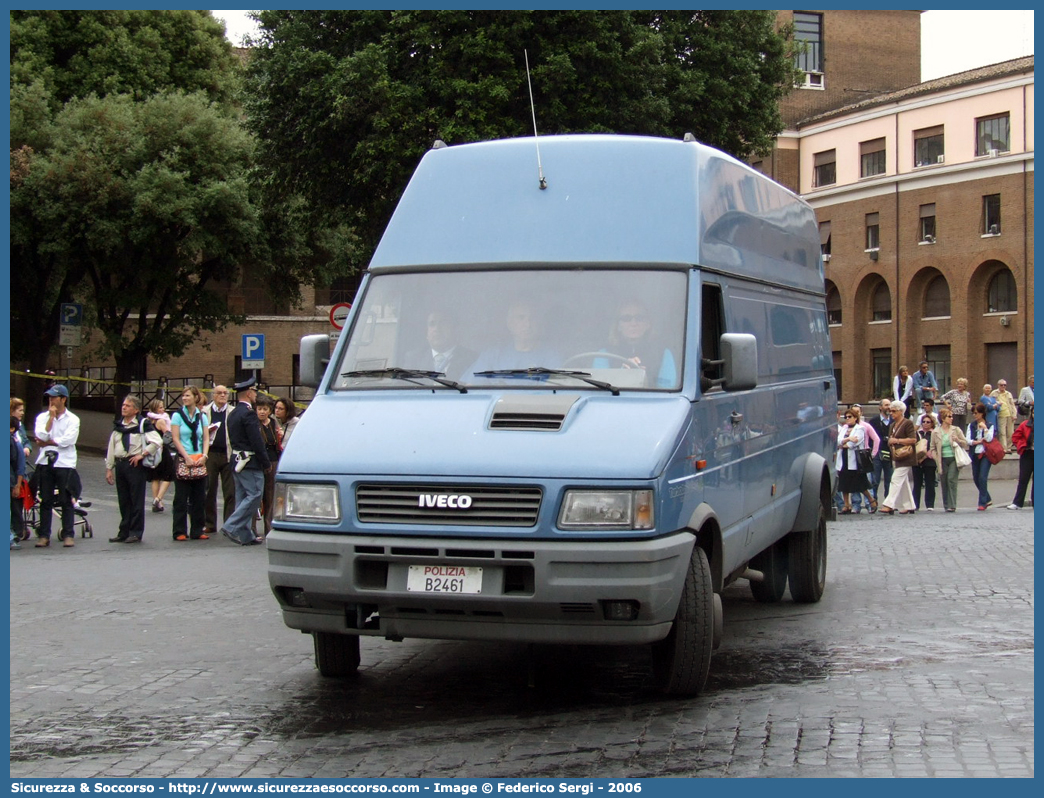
column 170, row 659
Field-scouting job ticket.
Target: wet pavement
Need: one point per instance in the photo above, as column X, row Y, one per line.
column 171, row 660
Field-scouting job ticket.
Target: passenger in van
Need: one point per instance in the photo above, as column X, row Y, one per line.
column 526, row 349
column 444, row 352
column 633, row 338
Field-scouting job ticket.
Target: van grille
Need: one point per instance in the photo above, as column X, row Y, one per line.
column 420, row 504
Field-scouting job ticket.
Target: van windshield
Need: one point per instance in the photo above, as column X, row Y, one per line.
column 525, row 328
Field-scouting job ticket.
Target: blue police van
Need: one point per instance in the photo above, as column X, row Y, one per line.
column 586, row 384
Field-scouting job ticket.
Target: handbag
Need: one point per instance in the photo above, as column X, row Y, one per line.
column 190, row 470
column 960, row 456
column 864, row 461
column 994, row 451
column 152, row 460
column 922, row 450
column 902, row 452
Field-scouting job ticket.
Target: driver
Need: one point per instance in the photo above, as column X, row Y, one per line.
column 443, row 352
column 632, row 337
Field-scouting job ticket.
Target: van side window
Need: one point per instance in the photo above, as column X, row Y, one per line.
column 712, row 325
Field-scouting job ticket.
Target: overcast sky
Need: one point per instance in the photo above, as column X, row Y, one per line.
column 951, row 41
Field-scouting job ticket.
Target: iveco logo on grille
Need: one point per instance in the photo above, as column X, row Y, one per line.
column 457, row 501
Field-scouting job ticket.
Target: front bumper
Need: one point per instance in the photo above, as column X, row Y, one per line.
column 532, row 591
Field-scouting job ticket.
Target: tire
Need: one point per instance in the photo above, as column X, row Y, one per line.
column 773, row 563
column 681, row 661
column 807, row 555
column 336, row 656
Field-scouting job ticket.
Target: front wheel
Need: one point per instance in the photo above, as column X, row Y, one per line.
column 336, row 656
column 807, row 555
column 681, row 661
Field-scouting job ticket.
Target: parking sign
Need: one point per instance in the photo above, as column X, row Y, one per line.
column 253, row 351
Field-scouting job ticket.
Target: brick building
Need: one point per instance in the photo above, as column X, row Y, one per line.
column 925, row 202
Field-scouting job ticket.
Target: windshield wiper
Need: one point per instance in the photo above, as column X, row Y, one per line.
column 409, row 375
column 540, row 371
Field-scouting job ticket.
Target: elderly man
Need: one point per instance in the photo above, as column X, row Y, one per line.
column 250, row 460
column 132, row 438
column 57, row 431
column 219, row 467
column 1005, row 414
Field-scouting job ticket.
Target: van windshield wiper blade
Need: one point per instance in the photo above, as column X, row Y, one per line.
column 540, row 371
column 409, row 375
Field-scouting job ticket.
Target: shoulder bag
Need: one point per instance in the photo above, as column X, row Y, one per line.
column 864, row 461
column 922, row 450
column 960, row 456
column 994, row 451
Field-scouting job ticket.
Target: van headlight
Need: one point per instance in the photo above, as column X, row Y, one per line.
column 607, row 509
column 306, row 502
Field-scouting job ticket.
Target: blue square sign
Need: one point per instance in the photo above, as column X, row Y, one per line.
column 253, row 354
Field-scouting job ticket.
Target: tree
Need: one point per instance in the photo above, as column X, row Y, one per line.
column 147, row 202
column 58, row 58
column 344, row 103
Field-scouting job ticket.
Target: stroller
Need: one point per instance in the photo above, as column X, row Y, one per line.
column 31, row 502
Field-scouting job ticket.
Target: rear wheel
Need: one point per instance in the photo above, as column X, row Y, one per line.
column 772, row 562
column 336, row 656
column 681, row 661
column 807, row 555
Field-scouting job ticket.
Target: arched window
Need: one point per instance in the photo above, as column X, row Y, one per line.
column 937, row 298
column 833, row 303
column 881, row 305
column 1003, row 296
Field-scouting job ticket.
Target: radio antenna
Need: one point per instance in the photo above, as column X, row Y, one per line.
column 532, row 107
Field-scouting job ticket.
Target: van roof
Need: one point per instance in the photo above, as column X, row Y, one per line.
column 609, row 200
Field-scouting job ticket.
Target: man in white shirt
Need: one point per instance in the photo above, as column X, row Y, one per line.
column 219, row 465
column 57, row 430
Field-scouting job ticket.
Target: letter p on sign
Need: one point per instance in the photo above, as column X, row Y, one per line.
column 253, row 354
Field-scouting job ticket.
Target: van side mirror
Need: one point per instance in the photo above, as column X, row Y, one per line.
column 315, row 357
column 739, row 351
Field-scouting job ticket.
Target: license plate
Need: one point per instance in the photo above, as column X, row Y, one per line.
column 459, row 579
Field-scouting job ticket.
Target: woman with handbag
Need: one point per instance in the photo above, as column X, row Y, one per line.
column 924, row 471
column 979, row 435
column 850, row 477
column 949, row 452
column 902, row 438
column 189, row 428
column 162, row 475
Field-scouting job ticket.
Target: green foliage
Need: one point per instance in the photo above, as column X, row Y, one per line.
column 344, row 103
column 147, row 201
column 76, row 53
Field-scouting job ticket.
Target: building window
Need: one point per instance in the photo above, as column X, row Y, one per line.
column 341, row 289
column 824, row 172
column 837, row 373
column 872, row 158
column 991, row 220
column 927, row 224
column 937, row 299
column 808, row 36
column 928, row 146
column 881, row 304
column 992, row 135
column 1003, row 296
column 833, row 303
column 881, row 373
column 938, row 358
column 873, row 231
column 824, row 239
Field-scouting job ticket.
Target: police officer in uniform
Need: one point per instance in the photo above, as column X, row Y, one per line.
column 250, row 461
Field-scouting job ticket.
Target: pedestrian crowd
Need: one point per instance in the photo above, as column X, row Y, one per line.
column 205, row 450
column 919, row 441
